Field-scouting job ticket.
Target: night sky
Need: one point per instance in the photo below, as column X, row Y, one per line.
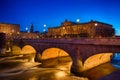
column 53, row 12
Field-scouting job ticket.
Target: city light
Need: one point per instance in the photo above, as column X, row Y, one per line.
column 78, row 20
column 13, row 31
column 26, row 29
column 61, row 74
column 44, row 30
column 63, row 27
column 96, row 24
column 45, row 25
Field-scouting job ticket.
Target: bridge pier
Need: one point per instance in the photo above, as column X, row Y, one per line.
column 77, row 65
column 38, row 57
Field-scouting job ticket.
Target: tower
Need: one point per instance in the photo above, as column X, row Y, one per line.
column 31, row 28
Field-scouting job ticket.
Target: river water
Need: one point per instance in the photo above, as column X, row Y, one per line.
column 21, row 68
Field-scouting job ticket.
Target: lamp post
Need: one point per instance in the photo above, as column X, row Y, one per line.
column 77, row 20
column 44, row 30
column 26, row 29
column 44, row 27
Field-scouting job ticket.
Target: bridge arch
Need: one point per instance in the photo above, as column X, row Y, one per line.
column 96, row 60
column 28, row 49
column 56, row 57
column 16, row 50
column 53, row 53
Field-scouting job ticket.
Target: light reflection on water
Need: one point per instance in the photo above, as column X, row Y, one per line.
column 33, row 78
column 115, row 60
column 61, row 74
column 31, row 71
column 22, row 69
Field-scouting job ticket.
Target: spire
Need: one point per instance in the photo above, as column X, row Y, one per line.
column 31, row 28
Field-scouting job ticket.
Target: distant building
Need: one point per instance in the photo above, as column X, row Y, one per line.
column 31, row 28
column 30, row 34
column 9, row 29
column 88, row 29
column 26, row 35
column 12, row 31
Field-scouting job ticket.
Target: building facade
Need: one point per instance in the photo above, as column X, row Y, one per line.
column 9, row 29
column 12, row 31
column 88, row 29
column 29, row 35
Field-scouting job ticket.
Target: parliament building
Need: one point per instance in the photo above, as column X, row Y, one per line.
column 90, row 29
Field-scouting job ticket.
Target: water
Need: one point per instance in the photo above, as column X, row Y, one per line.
column 115, row 61
column 106, row 70
column 22, row 68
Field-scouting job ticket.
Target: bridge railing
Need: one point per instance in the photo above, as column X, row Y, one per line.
column 102, row 41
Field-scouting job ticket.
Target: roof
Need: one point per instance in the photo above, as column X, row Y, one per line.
column 76, row 23
column 9, row 23
column 54, row 27
column 101, row 23
column 92, row 21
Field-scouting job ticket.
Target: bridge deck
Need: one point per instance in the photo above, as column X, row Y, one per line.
column 96, row 41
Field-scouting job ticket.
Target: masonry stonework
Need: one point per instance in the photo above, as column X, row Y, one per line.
column 88, row 29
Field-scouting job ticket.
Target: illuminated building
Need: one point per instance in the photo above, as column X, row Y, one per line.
column 9, row 29
column 12, row 31
column 28, row 35
column 89, row 29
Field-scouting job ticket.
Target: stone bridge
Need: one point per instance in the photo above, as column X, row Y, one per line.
column 85, row 53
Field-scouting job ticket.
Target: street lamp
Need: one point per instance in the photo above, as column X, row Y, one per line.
column 44, row 27
column 78, row 20
column 26, row 29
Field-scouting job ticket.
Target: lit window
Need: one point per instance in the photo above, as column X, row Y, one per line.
column 96, row 24
column 18, row 32
column 13, row 31
column 63, row 27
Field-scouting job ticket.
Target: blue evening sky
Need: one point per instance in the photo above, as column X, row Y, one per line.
column 53, row 12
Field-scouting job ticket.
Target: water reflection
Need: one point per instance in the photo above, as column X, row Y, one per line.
column 115, row 60
column 33, row 78
column 18, row 68
column 61, row 74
